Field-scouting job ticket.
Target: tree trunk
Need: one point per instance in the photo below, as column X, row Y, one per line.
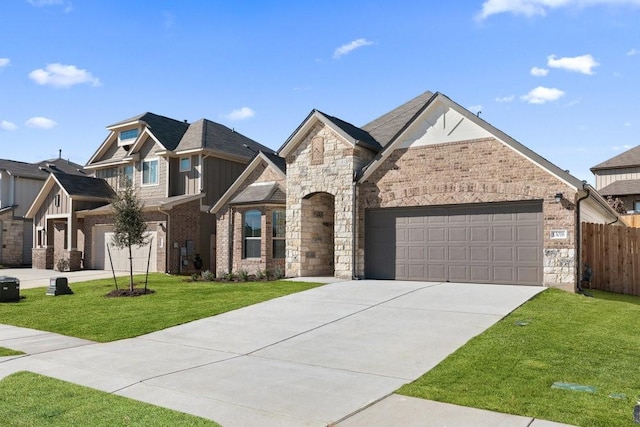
column 130, row 270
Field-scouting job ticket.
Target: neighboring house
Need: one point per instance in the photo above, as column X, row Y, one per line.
column 620, row 177
column 428, row 191
column 178, row 170
column 19, row 185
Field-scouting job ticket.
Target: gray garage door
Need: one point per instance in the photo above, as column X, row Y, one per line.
column 490, row 243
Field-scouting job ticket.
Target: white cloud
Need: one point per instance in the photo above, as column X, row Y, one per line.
column 633, row 52
column 580, row 64
column 68, row 6
column 4, row 62
column 349, row 47
column 505, row 98
column 41, row 123
column 60, row 75
column 5, row 125
column 539, row 72
column 621, row 147
column 240, row 114
column 531, row 8
column 541, row 95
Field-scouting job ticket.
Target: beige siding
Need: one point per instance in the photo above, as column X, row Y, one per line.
column 184, row 182
column 149, row 151
column 25, row 193
column 606, row 177
column 50, row 207
column 218, row 176
column 113, row 152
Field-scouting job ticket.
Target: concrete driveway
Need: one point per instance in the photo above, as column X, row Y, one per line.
column 35, row 278
column 311, row 358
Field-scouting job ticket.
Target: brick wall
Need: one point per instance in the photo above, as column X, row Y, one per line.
column 478, row 171
column 261, row 173
column 12, row 234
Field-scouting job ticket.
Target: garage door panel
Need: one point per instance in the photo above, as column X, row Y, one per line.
column 458, row 234
column 480, row 273
column 503, row 233
column 480, row 234
column 503, row 254
column 480, row 254
column 527, row 233
column 491, row 243
column 107, row 255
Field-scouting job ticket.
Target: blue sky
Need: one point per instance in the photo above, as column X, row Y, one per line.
column 560, row 76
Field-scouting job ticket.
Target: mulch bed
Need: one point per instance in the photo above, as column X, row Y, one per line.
column 128, row 293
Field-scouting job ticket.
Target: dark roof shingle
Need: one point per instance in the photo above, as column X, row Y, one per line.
column 387, row 126
column 85, row 186
column 621, row 188
column 627, row 159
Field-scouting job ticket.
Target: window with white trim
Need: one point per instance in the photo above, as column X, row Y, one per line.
column 252, row 233
column 126, row 137
column 185, row 164
column 278, row 225
column 127, row 173
column 150, row 172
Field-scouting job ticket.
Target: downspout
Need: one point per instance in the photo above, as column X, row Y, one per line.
column 231, row 239
column 169, row 247
column 354, row 227
column 579, row 236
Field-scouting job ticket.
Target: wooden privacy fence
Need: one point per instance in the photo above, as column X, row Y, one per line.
column 613, row 253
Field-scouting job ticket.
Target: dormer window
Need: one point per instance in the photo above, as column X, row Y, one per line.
column 127, row 137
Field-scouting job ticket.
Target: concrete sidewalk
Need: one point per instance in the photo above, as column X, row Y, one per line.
column 36, row 278
column 330, row 354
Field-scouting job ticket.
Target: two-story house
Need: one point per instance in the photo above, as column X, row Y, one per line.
column 178, row 170
column 619, row 177
column 19, row 185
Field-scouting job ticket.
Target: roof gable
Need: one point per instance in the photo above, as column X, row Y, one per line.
column 350, row 133
column 430, row 108
column 261, row 158
column 74, row 186
column 386, row 127
column 630, row 158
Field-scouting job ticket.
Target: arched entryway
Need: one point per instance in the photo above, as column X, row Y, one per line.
column 318, row 246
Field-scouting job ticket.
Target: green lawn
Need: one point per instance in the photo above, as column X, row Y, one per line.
column 89, row 314
column 28, row 399
column 556, row 337
column 8, row 352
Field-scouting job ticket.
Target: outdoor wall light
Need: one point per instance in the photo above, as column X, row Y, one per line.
column 559, row 197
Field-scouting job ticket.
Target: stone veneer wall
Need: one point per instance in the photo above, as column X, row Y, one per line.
column 12, row 240
column 331, row 172
column 477, row 171
column 318, row 235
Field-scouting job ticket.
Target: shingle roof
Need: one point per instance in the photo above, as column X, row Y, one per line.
column 260, row 193
column 41, row 169
column 167, row 130
column 214, row 136
column 86, row 186
column 628, row 158
column 621, row 188
column 278, row 161
column 362, row 137
column 387, row 126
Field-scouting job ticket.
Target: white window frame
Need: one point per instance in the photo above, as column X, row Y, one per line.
column 245, row 238
column 188, row 168
column 128, row 141
column 142, row 163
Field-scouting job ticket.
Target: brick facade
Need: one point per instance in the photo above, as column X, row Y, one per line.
column 12, row 238
column 229, row 230
column 476, row 171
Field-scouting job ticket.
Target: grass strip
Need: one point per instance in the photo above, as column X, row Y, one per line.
column 555, row 337
column 90, row 315
column 28, row 399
